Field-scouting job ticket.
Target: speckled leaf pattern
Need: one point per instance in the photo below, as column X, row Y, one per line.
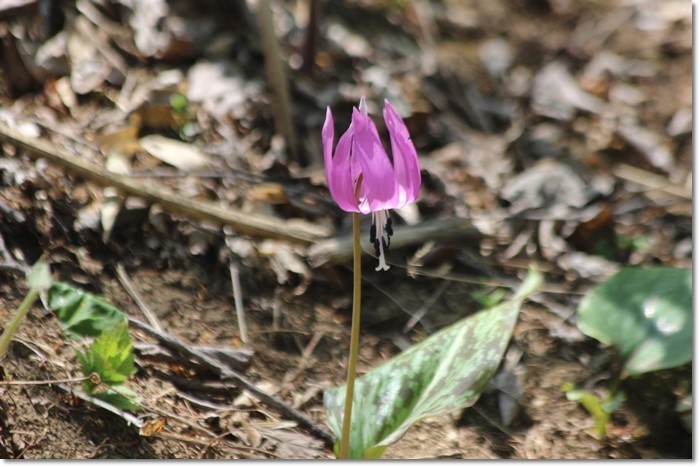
column 81, row 313
column 446, row 372
column 646, row 314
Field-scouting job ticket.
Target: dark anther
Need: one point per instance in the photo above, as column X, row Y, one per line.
column 386, row 247
column 376, row 247
column 373, row 233
column 388, row 228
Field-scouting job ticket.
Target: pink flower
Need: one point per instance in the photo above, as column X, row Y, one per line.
column 362, row 178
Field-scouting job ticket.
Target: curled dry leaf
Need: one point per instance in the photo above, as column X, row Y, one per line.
column 548, row 185
column 284, row 259
column 152, row 427
column 92, row 59
column 556, row 94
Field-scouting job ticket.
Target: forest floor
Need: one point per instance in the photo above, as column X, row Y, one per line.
column 561, row 130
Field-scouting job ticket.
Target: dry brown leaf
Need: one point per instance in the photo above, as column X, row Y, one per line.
column 272, row 193
column 152, row 427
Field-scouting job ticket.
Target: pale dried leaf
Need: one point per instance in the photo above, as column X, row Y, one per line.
column 550, row 185
column 284, row 260
column 556, row 94
column 290, row 444
column 182, row 155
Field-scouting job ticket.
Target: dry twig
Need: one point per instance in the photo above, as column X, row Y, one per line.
column 339, row 249
column 126, row 283
column 245, row 223
column 238, row 299
column 214, row 359
column 225, row 371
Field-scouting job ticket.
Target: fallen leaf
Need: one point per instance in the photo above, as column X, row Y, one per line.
column 184, row 156
column 556, row 94
column 152, row 427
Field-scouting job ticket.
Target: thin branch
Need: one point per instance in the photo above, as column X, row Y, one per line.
column 651, row 180
column 427, row 305
column 43, row 381
column 238, row 299
column 214, row 359
column 257, row 225
column 226, row 372
column 126, row 283
column 312, row 34
column 339, row 249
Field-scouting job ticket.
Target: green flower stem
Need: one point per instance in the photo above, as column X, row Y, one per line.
column 6, row 337
column 354, row 335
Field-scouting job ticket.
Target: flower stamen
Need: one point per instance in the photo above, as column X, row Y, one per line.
column 380, row 235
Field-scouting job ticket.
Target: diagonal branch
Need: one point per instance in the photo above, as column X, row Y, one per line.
column 245, row 223
column 339, row 249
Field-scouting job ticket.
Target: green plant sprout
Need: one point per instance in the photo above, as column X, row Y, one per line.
column 489, row 299
column 39, row 280
column 646, row 315
column 110, row 358
column 109, row 361
column 180, row 107
column 601, row 410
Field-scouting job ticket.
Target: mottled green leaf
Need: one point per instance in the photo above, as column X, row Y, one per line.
column 121, row 397
column 646, row 314
column 81, row 313
column 446, row 372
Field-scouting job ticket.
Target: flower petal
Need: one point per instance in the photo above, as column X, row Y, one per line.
column 378, row 179
column 406, row 165
column 341, row 181
column 327, row 135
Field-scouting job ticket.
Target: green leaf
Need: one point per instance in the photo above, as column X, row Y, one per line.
column 601, row 410
column 120, row 397
column 646, row 314
column 446, row 372
column 111, row 356
column 82, row 314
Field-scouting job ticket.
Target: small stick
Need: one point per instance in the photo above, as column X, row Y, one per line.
column 277, row 79
column 238, row 300
column 126, row 283
column 650, row 180
column 311, row 38
column 44, row 381
column 418, row 315
column 226, row 372
column 304, row 361
column 215, row 360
